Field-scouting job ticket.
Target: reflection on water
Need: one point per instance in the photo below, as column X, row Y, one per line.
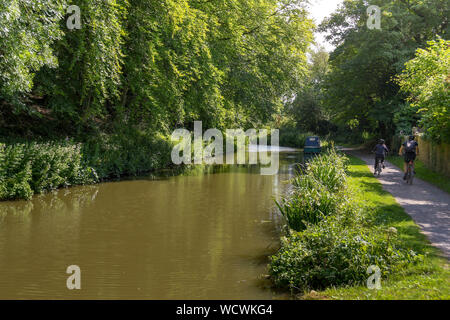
column 198, row 236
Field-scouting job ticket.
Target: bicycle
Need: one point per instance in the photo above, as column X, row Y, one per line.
column 410, row 173
column 378, row 168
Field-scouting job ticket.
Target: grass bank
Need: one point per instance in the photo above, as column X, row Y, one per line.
column 328, row 258
column 439, row 180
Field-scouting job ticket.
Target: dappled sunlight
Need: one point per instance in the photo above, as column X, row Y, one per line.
column 426, row 204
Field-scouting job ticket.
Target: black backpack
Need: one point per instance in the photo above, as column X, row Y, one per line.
column 410, row 146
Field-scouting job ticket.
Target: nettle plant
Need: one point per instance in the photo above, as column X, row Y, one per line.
column 28, row 168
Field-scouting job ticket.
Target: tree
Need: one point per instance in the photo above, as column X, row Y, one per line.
column 155, row 64
column 360, row 87
column 307, row 108
column 28, row 30
column 89, row 70
column 427, row 79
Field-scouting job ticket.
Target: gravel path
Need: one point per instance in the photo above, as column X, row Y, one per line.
column 428, row 205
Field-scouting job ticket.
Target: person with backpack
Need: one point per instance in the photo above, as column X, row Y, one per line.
column 380, row 153
column 410, row 150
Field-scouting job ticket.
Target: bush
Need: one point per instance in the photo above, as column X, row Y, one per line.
column 28, row 168
column 127, row 153
column 328, row 254
column 292, row 137
column 331, row 240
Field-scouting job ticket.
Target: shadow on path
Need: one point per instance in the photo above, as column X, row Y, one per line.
column 428, row 205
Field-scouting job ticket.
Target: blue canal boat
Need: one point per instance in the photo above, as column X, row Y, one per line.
column 312, row 148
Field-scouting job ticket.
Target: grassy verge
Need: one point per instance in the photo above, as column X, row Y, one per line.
column 425, row 280
column 340, row 222
column 424, row 173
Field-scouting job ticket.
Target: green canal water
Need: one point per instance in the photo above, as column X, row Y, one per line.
column 196, row 236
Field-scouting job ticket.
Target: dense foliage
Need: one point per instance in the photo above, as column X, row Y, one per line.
column 28, row 168
column 359, row 92
column 427, row 80
column 331, row 240
column 28, row 31
column 308, row 109
column 316, row 194
column 330, row 254
column 158, row 64
column 127, row 153
column 291, row 136
column 135, row 71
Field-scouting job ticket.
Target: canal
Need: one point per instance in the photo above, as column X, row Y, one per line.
column 202, row 235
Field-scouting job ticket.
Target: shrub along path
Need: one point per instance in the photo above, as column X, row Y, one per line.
column 426, row 204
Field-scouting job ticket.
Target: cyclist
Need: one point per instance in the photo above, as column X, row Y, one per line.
column 380, row 152
column 410, row 150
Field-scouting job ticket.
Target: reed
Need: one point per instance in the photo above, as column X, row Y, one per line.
column 316, row 192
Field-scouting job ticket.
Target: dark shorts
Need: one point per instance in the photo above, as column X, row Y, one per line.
column 378, row 158
column 410, row 156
